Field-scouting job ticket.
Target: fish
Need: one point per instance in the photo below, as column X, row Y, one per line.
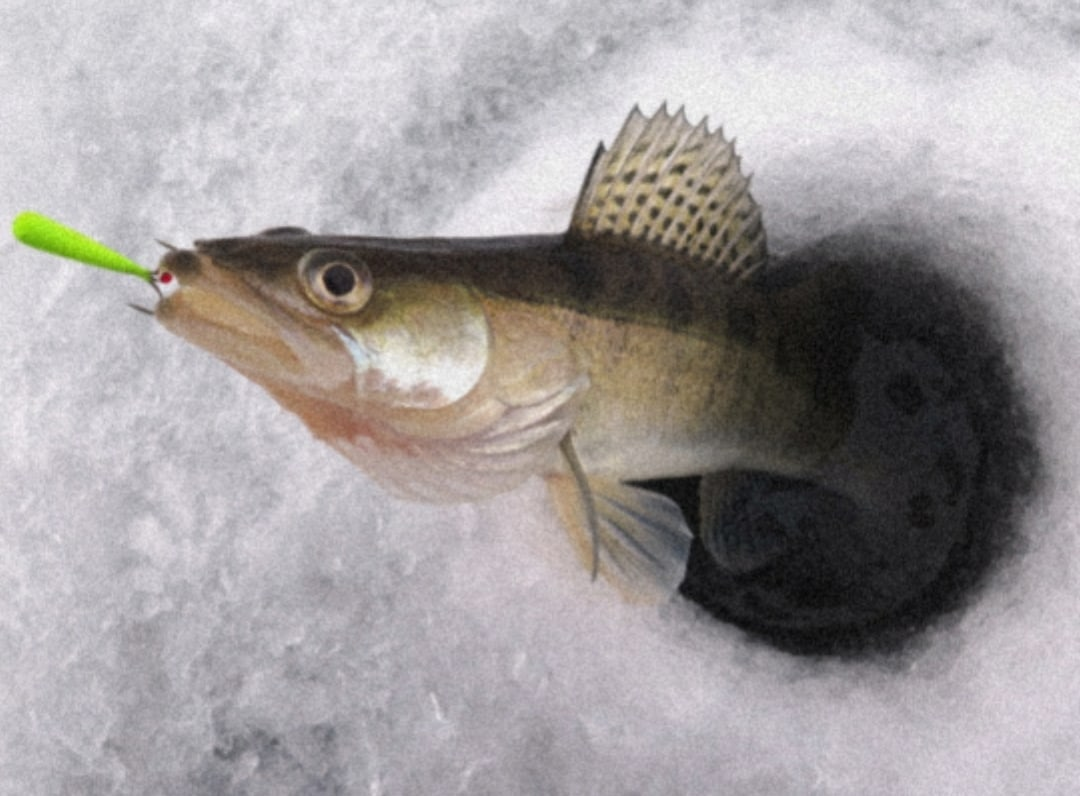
column 642, row 343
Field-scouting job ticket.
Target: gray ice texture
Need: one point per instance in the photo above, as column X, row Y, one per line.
column 198, row 598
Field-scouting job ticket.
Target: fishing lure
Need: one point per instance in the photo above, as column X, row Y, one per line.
column 43, row 233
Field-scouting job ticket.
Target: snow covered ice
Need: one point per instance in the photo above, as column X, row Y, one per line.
column 198, row 598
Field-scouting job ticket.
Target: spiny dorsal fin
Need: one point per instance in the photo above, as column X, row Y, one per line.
column 677, row 186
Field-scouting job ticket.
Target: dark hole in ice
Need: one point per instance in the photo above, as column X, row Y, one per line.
column 932, row 389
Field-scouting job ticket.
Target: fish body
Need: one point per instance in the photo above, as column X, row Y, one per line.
column 637, row 345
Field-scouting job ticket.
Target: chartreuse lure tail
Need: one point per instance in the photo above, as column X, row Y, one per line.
column 43, row 233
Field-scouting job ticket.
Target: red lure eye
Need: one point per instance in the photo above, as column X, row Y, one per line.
column 165, row 278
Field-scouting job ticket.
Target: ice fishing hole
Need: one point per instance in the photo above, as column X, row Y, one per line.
column 934, row 390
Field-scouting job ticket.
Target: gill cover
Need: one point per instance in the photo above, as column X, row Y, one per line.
column 415, row 345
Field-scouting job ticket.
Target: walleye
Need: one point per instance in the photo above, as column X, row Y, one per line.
column 639, row 344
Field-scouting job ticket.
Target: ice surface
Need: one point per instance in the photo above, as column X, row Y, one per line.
column 196, row 598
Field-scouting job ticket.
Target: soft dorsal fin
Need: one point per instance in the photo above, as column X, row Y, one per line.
column 677, row 186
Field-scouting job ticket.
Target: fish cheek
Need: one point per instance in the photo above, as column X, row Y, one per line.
column 426, row 348
column 239, row 339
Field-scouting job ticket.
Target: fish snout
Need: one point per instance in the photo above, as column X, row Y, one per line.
column 180, row 263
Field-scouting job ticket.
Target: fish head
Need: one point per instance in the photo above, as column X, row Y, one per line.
column 339, row 320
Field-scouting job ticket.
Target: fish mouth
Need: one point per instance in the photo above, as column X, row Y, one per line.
column 239, row 334
column 193, row 291
column 164, row 287
column 259, row 334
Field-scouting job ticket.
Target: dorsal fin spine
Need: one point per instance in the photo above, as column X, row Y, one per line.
column 616, row 157
column 647, row 152
column 675, row 139
column 588, row 190
column 685, row 162
column 632, row 175
column 720, row 185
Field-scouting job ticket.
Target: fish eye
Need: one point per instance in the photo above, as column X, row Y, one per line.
column 335, row 281
column 339, row 279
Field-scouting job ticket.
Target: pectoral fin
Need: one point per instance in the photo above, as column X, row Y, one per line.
column 636, row 539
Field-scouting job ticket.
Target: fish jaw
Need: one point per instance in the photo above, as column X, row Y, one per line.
column 271, row 338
